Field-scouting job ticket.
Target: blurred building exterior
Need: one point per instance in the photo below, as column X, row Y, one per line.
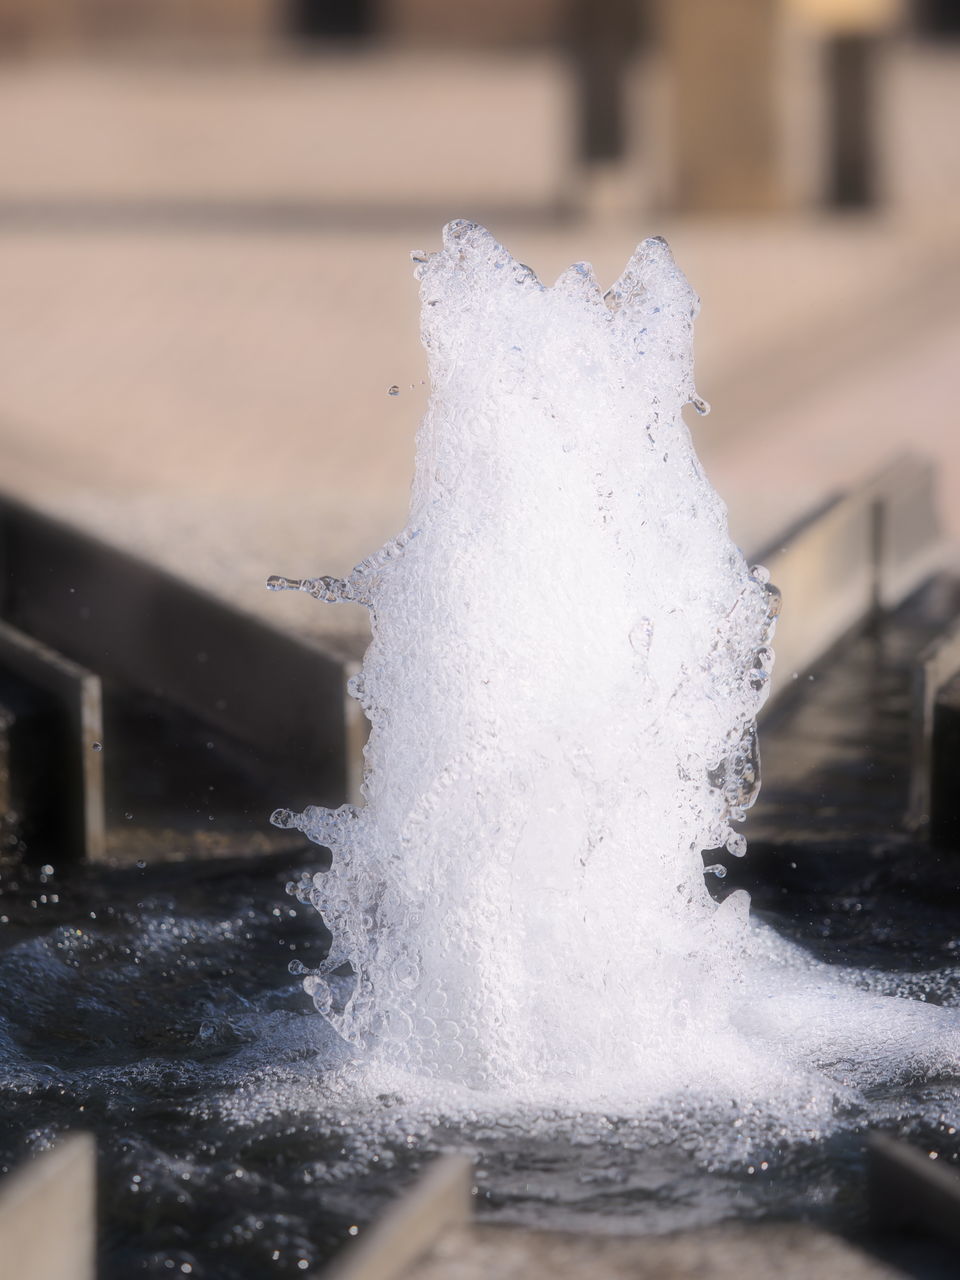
column 743, row 105
column 206, row 210
column 262, row 24
column 37, row 24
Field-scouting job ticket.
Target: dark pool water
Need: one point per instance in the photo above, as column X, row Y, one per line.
column 155, row 1008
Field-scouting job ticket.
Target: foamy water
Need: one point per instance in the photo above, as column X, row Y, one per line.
column 567, row 661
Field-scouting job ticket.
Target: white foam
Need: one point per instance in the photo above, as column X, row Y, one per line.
column 568, row 657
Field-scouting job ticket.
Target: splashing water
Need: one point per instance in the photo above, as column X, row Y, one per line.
column 567, row 660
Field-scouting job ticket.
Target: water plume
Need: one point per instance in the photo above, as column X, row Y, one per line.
column 568, row 656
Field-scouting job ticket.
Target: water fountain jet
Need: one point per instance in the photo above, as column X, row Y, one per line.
column 568, row 655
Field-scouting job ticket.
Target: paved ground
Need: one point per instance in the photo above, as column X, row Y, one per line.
column 205, row 293
column 790, row 1251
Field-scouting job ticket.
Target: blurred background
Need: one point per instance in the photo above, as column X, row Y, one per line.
column 206, row 210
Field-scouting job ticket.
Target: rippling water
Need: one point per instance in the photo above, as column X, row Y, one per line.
column 155, row 1008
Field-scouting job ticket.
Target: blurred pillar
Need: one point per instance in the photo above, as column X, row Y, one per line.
column 851, row 121
column 320, row 20
column 937, row 18
column 770, row 104
column 601, row 38
column 721, row 109
column 851, row 34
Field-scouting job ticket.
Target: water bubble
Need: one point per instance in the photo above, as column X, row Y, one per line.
column 760, row 573
column 284, row 818
column 764, row 658
column 398, row 1025
column 406, row 972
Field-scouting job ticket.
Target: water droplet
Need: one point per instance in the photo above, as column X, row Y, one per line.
column 97, row 746
column 737, row 844
column 702, row 406
column 760, row 573
column 393, row 391
column 764, row 658
column 717, row 869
